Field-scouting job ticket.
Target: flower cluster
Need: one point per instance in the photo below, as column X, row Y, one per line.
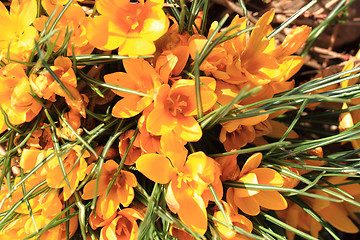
column 177, row 134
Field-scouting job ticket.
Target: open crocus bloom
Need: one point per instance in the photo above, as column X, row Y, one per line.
column 188, row 177
column 124, row 226
column 175, row 108
column 16, row 34
column 122, row 191
column 140, row 76
column 249, row 200
column 132, row 27
column 15, row 96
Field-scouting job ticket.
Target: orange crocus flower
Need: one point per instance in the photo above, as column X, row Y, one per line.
column 124, row 226
column 16, row 34
column 188, row 178
column 47, row 87
column 140, row 76
column 250, row 200
column 131, row 27
column 172, row 51
column 259, row 61
column 52, row 170
column 122, row 191
column 15, row 98
column 255, row 58
column 49, row 205
column 175, row 108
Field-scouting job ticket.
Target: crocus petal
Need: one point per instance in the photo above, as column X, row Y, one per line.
column 290, row 65
column 251, row 163
column 109, row 232
column 98, row 34
column 123, row 80
column 347, row 83
column 267, row 176
column 156, row 167
column 174, row 149
column 107, row 206
column 89, row 189
column 129, row 106
column 160, row 121
column 271, row 200
column 293, row 41
column 336, row 215
column 243, row 192
column 25, row 11
column 248, row 205
column 192, row 212
column 32, row 157
column 137, row 46
column 227, row 232
column 188, row 129
column 200, row 164
column 278, row 130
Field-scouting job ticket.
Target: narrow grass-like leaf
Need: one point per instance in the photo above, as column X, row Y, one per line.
column 289, row 129
column 82, row 211
column 182, row 16
column 219, row 204
column 324, row 189
column 292, row 18
column 280, row 189
column 204, row 17
column 7, row 164
column 199, row 107
column 243, row 8
column 149, row 218
column 249, row 150
column 175, row 11
column 269, row 231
